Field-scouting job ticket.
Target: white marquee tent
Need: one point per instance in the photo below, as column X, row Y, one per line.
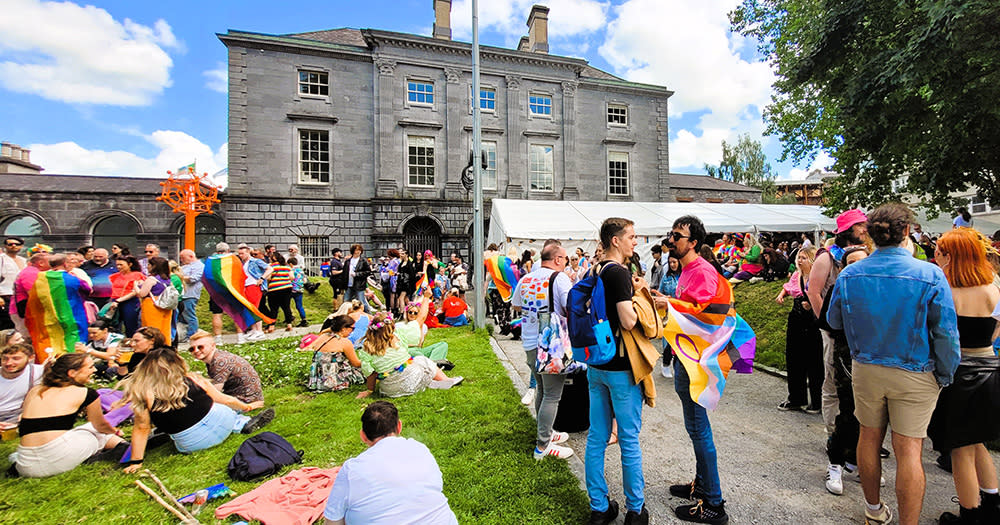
column 517, row 225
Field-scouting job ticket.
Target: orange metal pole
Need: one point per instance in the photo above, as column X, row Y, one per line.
column 189, row 216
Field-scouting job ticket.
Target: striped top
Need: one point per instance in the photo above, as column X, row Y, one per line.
column 281, row 278
column 383, row 364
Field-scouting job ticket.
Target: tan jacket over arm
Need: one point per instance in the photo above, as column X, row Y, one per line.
column 638, row 343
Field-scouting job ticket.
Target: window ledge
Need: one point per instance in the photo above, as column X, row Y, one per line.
column 306, row 116
column 619, row 142
column 406, row 123
column 484, row 129
column 544, row 134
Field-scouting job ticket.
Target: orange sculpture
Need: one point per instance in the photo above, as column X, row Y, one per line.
column 188, row 193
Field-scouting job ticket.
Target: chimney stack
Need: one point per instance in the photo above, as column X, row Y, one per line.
column 523, row 44
column 538, row 29
column 442, row 19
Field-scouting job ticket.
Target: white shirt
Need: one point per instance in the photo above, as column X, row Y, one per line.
column 350, row 274
column 531, row 294
column 9, row 268
column 395, row 482
column 13, row 391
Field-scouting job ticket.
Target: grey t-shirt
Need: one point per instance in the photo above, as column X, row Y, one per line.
column 532, row 295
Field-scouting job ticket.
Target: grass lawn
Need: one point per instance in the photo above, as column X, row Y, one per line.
column 318, row 305
column 755, row 303
column 479, row 432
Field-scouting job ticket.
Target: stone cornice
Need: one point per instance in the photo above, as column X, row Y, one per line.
column 305, row 116
column 406, row 123
column 262, row 41
column 484, row 129
column 621, row 86
column 542, row 134
column 618, row 142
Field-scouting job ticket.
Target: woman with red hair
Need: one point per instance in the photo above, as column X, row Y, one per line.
column 966, row 412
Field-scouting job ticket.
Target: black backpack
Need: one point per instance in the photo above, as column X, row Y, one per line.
column 262, row 455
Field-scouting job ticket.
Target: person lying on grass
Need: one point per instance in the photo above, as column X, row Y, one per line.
column 335, row 365
column 386, row 358
column 50, row 444
column 164, row 392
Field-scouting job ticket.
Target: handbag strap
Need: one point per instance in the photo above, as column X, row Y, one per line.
column 552, row 290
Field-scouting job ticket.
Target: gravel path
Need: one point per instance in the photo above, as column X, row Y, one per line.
column 772, row 463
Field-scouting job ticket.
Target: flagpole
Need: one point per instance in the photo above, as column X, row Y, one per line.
column 477, row 203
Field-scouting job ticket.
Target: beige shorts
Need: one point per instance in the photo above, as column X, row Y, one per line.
column 903, row 399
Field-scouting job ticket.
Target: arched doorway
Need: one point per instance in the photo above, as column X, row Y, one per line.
column 24, row 226
column 421, row 234
column 209, row 230
column 116, row 229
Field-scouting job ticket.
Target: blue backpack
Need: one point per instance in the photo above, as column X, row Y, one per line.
column 590, row 332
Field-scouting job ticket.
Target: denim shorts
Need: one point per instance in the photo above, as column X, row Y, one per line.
column 213, row 429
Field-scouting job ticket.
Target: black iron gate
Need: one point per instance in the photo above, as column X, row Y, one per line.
column 421, row 234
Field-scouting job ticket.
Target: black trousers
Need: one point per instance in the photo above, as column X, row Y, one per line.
column 5, row 321
column 803, row 358
column 280, row 299
column 842, row 445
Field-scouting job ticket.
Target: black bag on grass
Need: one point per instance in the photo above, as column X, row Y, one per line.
column 262, row 455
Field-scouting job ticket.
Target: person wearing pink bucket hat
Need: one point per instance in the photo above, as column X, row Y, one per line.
column 851, row 231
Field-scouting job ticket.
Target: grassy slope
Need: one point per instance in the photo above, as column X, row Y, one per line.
column 479, row 433
column 317, row 305
column 755, row 303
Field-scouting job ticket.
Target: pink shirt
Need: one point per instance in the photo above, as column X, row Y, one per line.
column 792, row 286
column 698, row 282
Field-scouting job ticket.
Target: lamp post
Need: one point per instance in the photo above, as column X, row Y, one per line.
column 190, row 194
column 477, row 199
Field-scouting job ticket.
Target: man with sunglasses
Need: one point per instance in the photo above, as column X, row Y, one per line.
column 10, row 265
column 152, row 250
column 230, row 373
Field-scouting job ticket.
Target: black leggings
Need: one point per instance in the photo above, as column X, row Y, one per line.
column 842, row 445
column 804, row 358
column 280, row 299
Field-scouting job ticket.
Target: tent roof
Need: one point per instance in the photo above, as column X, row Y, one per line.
column 580, row 220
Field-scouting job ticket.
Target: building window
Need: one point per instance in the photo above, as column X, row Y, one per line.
column 617, row 173
column 490, row 173
column 116, row 229
column 420, row 93
column 208, row 231
column 540, row 105
column 314, row 83
column 487, row 99
column 29, row 229
column 540, row 173
column 420, row 161
column 978, row 205
column 314, row 156
column 617, row 115
column 313, row 250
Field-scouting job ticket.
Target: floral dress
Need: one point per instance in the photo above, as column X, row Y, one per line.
column 332, row 371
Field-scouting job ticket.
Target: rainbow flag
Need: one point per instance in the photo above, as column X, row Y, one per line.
column 710, row 340
column 224, row 278
column 504, row 273
column 421, row 286
column 56, row 316
column 190, row 168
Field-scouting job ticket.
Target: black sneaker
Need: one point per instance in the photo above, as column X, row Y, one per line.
column 702, row 512
column 258, row 422
column 637, row 518
column 884, row 452
column 813, row 409
column 604, row 518
column 303, row 323
column 689, row 491
column 109, row 454
column 785, row 406
column 444, row 364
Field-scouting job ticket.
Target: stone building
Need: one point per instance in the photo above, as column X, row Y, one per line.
column 360, row 136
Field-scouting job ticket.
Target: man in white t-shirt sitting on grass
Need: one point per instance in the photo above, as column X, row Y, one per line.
column 18, row 374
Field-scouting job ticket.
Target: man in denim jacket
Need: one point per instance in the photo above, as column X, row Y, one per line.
column 900, row 323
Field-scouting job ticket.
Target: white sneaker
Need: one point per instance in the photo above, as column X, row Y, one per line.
column 242, row 338
column 559, row 437
column 667, row 371
column 255, row 335
column 853, row 473
column 529, row 397
column 218, row 339
column 555, row 451
column 755, row 280
column 834, row 479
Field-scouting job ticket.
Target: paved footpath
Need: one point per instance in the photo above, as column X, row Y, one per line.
column 772, row 463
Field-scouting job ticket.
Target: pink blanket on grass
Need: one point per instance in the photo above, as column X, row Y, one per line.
column 297, row 498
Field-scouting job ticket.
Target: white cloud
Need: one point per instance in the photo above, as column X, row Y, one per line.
column 822, row 162
column 175, row 149
column 82, row 55
column 217, row 79
column 566, row 17
column 687, row 46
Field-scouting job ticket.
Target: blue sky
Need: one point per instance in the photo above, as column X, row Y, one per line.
column 136, row 88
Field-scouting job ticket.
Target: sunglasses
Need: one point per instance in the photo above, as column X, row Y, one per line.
column 678, row 236
column 149, row 251
column 199, row 347
column 15, row 244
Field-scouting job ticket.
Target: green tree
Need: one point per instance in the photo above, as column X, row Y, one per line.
column 894, row 90
column 745, row 163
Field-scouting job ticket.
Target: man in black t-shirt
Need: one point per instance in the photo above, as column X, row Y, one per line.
column 338, row 279
column 614, row 394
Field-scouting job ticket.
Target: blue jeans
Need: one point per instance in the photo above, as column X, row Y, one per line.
column 700, row 431
column 360, row 296
column 188, row 314
column 618, row 392
column 297, row 296
column 213, row 429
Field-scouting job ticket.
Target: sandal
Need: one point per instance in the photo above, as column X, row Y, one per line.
column 613, row 439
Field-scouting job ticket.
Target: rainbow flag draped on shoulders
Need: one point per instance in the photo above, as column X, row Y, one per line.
column 710, row 340
column 224, row 279
column 56, row 316
column 505, row 274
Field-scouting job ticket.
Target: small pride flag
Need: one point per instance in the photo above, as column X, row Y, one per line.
column 190, row 168
column 421, row 286
column 224, row 279
column 710, row 340
column 56, row 316
column 504, row 273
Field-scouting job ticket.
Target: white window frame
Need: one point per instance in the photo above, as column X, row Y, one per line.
column 493, row 162
column 615, row 156
column 300, row 160
column 616, row 106
column 977, row 201
column 533, row 173
column 551, row 104
column 417, row 166
column 420, row 81
column 472, row 99
column 316, row 71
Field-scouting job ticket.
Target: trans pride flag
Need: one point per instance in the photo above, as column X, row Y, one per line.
column 504, row 273
column 56, row 316
column 710, row 340
column 224, row 278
